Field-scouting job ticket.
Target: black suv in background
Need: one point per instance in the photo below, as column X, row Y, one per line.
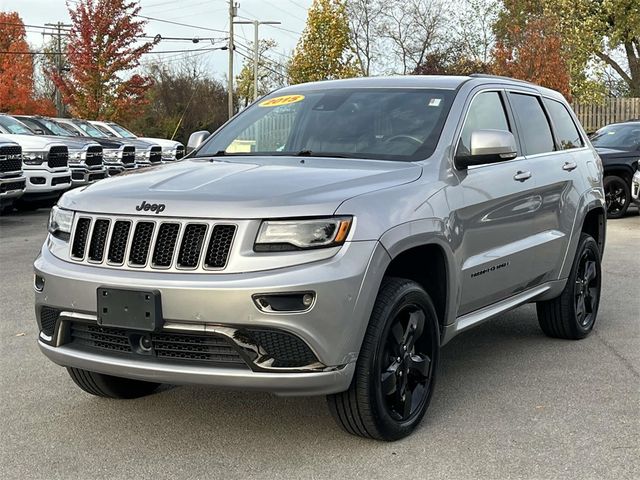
column 618, row 145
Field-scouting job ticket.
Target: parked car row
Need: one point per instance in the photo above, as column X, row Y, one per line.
column 41, row 157
column 618, row 145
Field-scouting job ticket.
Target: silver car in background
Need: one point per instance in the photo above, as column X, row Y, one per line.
column 330, row 239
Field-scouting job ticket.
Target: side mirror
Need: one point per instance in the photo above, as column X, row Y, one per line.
column 196, row 139
column 38, row 131
column 488, row 146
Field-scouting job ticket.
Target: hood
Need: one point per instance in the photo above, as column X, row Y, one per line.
column 163, row 142
column 73, row 143
column 136, row 142
column 616, row 152
column 241, row 188
column 110, row 143
column 33, row 142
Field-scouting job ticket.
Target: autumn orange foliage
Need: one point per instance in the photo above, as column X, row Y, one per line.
column 102, row 50
column 533, row 53
column 16, row 70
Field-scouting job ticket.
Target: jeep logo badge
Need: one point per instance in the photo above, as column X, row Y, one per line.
column 153, row 207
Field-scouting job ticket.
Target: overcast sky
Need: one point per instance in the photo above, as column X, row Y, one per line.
column 202, row 13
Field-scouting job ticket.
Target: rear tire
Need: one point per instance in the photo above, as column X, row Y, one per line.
column 617, row 195
column 573, row 313
column 392, row 385
column 107, row 386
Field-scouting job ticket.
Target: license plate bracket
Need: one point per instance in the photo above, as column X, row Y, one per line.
column 132, row 309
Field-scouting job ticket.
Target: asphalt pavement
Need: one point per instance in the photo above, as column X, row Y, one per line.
column 509, row 403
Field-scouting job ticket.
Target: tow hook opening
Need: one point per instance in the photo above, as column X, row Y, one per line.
column 38, row 283
column 293, row 302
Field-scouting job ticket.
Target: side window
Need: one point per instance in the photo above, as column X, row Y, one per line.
column 566, row 130
column 534, row 128
column 486, row 112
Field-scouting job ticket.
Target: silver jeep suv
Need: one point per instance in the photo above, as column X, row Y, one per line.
column 330, row 239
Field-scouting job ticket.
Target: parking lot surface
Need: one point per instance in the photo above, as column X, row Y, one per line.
column 509, row 403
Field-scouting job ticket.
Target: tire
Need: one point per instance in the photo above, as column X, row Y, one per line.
column 403, row 314
column 108, row 386
column 573, row 313
column 618, row 196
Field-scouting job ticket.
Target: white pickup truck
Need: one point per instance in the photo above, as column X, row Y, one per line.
column 12, row 181
column 45, row 165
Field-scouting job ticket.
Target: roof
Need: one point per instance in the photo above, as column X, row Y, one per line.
column 449, row 82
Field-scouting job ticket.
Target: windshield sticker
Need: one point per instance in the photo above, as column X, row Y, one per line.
column 279, row 101
column 435, row 102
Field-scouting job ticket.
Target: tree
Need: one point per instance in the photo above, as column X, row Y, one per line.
column 184, row 98
column 102, row 48
column 269, row 75
column 364, row 28
column 533, row 53
column 17, row 93
column 599, row 28
column 413, row 29
column 324, row 52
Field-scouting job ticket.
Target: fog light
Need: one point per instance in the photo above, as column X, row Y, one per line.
column 284, row 302
column 38, row 180
column 38, row 283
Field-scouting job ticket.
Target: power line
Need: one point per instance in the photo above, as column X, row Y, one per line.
column 180, row 24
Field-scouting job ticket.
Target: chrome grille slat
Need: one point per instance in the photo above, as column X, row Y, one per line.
column 152, row 244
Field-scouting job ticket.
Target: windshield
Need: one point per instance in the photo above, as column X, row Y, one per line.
column 123, row 132
column 89, row 129
column 371, row 123
column 55, row 128
column 68, row 128
column 618, row 136
column 104, row 130
column 12, row 126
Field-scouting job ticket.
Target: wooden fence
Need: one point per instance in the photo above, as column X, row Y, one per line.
column 595, row 116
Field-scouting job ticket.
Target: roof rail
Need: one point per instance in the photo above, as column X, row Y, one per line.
column 501, row 77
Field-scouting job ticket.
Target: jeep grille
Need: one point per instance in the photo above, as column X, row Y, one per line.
column 152, row 244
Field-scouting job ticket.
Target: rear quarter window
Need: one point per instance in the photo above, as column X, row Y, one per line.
column 566, row 130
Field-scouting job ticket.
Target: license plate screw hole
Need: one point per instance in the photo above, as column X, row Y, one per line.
column 105, row 309
column 147, row 297
column 147, row 314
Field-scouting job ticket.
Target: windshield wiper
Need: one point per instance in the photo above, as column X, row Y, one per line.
column 310, row 153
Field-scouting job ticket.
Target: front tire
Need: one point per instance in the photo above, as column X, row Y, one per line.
column 108, row 386
column 573, row 313
column 617, row 195
column 396, row 369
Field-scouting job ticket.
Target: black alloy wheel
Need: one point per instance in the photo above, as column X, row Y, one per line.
column 396, row 368
column 586, row 289
column 405, row 364
column 617, row 196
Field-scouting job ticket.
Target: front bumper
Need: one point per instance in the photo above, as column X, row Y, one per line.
column 11, row 188
column 333, row 329
column 45, row 182
column 305, row 383
column 635, row 188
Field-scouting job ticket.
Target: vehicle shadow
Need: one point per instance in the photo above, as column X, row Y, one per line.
column 197, row 416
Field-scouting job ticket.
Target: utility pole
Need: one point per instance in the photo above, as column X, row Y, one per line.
column 59, row 26
column 233, row 11
column 256, row 52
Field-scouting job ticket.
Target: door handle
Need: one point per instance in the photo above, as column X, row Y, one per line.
column 568, row 166
column 521, row 176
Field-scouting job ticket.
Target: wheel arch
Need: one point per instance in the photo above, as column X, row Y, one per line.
column 427, row 259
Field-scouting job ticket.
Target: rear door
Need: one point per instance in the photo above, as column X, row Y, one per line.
column 496, row 213
column 555, row 150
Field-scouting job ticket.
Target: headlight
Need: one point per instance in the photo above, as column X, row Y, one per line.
column 110, row 154
column 34, row 157
column 75, row 156
column 288, row 235
column 60, row 221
